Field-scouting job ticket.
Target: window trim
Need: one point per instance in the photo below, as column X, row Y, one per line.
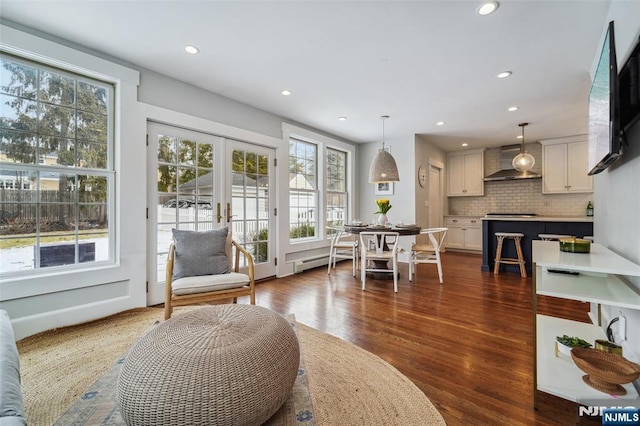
column 291, row 251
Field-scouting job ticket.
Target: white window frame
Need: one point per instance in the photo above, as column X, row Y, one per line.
column 291, row 251
column 101, row 290
column 313, row 193
column 39, row 167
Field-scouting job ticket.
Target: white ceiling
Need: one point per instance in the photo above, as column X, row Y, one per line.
column 418, row 62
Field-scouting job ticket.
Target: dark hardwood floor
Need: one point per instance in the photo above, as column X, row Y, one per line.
column 467, row 344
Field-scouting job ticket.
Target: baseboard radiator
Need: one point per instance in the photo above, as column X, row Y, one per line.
column 309, row 263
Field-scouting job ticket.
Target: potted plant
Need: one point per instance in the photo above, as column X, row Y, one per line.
column 565, row 343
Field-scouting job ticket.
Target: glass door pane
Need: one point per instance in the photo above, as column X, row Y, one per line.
column 251, row 203
column 185, row 196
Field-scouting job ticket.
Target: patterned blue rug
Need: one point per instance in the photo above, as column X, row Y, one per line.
column 99, row 406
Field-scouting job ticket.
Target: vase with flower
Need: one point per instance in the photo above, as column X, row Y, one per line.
column 383, row 207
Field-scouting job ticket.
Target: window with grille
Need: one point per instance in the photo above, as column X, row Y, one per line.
column 56, row 167
column 336, row 188
column 303, row 190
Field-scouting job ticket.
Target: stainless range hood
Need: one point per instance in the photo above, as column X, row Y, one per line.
column 507, row 172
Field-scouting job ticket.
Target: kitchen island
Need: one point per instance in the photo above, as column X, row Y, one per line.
column 530, row 226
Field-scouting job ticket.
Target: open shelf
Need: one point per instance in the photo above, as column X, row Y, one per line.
column 600, row 280
column 558, row 375
column 603, row 289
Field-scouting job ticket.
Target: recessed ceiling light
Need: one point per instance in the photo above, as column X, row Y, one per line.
column 465, row 144
column 487, row 8
column 286, row 92
column 519, row 137
column 191, row 49
column 513, row 108
column 440, row 123
column 504, row 74
column 342, row 118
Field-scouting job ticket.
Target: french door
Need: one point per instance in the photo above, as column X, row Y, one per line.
column 200, row 182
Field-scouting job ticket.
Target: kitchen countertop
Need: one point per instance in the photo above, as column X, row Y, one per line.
column 542, row 218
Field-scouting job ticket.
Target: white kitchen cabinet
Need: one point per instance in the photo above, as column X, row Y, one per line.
column 465, row 173
column 465, row 233
column 564, row 165
column 598, row 281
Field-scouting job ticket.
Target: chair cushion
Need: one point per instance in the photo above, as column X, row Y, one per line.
column 206, row 283
column 200, row 253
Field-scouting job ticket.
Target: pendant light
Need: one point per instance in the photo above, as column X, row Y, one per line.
column 524, row 161
column 383, row 167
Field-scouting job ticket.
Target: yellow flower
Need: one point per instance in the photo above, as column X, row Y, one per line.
column 383, row 206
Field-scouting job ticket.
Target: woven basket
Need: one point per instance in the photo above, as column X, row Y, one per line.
column 605, row 370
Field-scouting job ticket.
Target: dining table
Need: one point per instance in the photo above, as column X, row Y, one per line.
column 402, row 230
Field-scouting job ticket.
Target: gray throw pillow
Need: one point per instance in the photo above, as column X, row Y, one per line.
column 200, row 253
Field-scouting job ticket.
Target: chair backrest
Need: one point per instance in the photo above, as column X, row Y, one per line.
column 436, row 236
column 376, row 241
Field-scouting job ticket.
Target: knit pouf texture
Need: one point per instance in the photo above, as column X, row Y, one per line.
column 225, row 364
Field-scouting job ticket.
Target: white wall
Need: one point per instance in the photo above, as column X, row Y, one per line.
column 425, row 152
column 617, row 197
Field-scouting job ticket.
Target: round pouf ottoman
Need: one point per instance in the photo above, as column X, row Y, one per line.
column 225, row 364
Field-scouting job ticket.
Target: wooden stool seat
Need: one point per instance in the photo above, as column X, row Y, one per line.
column 517, row 238
column 553, row 237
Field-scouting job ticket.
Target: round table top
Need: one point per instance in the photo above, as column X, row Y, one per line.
column 402, row 230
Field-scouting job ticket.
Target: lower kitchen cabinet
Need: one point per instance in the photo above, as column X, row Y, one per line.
column 465, row 233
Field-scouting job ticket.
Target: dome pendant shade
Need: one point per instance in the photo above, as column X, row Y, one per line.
column 524, row 161
column 383, row 167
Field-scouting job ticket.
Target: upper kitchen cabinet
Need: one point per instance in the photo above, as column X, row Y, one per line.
column 466, row 173
column 564, row 165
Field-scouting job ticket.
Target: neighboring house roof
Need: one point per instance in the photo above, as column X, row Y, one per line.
column 203, row 183
column 300, row 182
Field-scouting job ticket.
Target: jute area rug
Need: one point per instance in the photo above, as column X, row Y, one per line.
column 348, row 385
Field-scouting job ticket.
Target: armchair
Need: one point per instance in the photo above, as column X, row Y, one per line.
column 200, row 269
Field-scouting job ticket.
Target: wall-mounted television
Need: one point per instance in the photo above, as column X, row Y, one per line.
column 629, row 85
column 605, row 138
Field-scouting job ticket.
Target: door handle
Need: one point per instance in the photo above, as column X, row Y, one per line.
column 229, row 215
column 218, row 215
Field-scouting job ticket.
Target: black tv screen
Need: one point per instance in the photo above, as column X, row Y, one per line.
column 629, row 89
column 604, row 131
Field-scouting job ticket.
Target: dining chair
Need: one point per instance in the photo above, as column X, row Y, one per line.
column 379, row 248
column 428, row 253
column 343, row 246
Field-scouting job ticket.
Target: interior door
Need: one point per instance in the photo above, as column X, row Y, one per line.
column 250, row 202
column 184, row 173
column 435, row 197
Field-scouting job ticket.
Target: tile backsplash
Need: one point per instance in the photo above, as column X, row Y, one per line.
column 519, row 196
column 524, row 196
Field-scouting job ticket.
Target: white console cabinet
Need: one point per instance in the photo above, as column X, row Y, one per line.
column 599, row 280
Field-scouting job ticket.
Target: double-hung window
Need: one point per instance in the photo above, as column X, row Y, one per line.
column 336, row 188
column 303, row 189
column 56, row 166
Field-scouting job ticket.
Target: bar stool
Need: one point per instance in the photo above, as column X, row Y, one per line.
column 517, row 237
column 553, row 237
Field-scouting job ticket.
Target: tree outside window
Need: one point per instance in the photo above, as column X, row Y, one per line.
column 56, row 135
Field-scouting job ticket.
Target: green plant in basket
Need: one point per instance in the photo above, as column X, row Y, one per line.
column 573, row 342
